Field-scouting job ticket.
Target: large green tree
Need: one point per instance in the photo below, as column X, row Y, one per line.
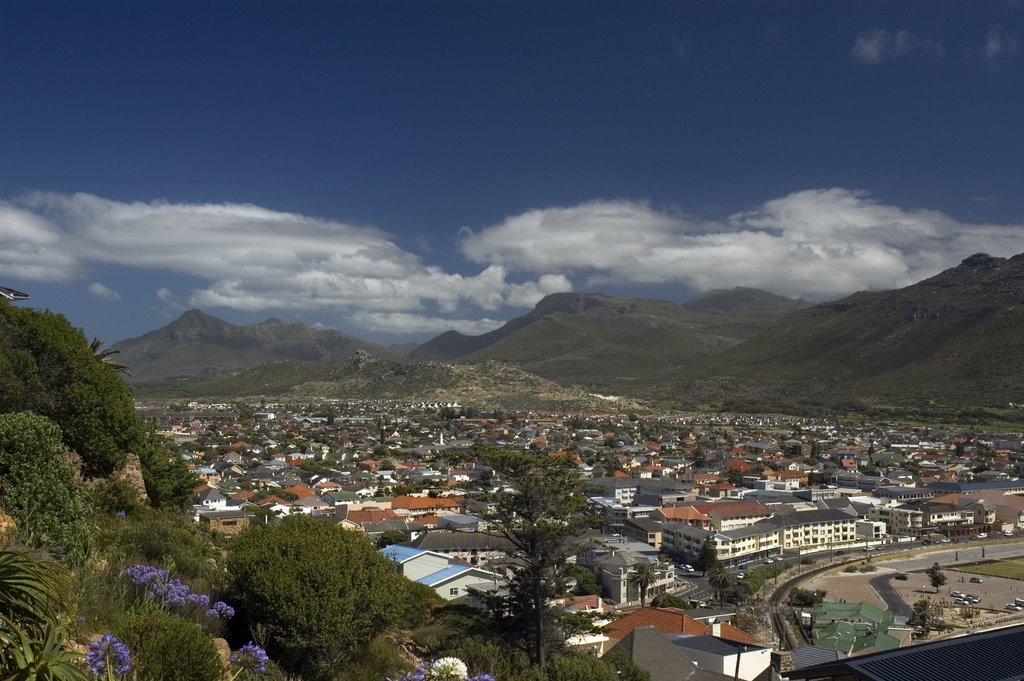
column 38, row 487
column 540, row 509
column 707, row 560
column 316, row 592
column 48, row 367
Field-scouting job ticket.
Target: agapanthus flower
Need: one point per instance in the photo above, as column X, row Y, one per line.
column 220, row 609
column 250, row 657
column 200, row 600
column 448, row 669
column 108, row 654
column 145, row 574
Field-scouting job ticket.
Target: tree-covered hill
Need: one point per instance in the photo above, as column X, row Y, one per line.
column 48, row 367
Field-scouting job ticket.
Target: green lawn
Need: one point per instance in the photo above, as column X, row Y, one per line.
column 1014, row 569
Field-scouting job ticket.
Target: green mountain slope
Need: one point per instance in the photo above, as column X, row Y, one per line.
column 197, row 342
column 951, row 339
column 609, row 343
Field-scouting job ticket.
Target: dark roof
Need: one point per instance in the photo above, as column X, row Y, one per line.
column 650, row 650
column 941, row 486
column 710, row 644
column 988, row 656
column 807, row 656
column 456, row 541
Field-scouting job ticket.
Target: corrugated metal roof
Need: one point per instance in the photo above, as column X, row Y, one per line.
column 443, row 574
column 399, row 553
column 988, row 656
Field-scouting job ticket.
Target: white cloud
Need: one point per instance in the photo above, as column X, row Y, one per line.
column 32, row 247
column 814, row 244
column 880, row 44
column 252, row 257
column 103, row 292
column 406, row 323
column 998, row 44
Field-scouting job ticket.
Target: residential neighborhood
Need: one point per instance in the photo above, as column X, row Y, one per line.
column 661, row 492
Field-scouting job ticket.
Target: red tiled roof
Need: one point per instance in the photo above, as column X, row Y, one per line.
column 301, row 491
column 665, row 620
column 731, row 633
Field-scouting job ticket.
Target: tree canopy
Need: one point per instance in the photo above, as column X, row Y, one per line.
column 540, row 511
column 48, row 367
column 316, row 591
column 935, row 576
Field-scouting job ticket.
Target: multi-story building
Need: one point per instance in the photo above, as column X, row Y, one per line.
column 815, row 529
column 900, row 520
column 734, row 546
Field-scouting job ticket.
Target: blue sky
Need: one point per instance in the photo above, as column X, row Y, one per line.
column 396, row 169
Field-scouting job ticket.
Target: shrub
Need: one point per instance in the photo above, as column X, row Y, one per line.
column 580, row 668
column 319, row 592
column 38, row 487
column 166, row 648
column 162, row 538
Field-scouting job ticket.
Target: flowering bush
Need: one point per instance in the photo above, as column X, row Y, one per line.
column 443, row 669
column 175, row 596
column 108, row 658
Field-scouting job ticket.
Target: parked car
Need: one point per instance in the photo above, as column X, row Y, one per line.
column 975, row 580
column 902, row 577
column 982, row 535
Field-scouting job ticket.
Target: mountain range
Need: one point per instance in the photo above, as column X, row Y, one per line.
column 951, row 339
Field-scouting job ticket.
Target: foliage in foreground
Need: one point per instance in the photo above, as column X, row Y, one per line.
column 48, row 367
column 316, row 592
column 38, row 487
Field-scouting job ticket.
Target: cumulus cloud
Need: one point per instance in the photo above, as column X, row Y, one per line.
column 814, row 244
column 32, row 247
column 253, row 258
column 881, row 44
column 103, row 292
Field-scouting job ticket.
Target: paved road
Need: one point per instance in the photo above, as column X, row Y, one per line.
column 966, row 552
column 895, row 604
column 951, row 554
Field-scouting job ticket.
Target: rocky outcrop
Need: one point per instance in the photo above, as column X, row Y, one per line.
column 130, row 474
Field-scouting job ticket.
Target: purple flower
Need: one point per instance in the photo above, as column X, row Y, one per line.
column 221, row 609
column 121, row 515
column 201, row 600
column 481, row 677
column 250, row 657
column 145, row 574
column 108, row 654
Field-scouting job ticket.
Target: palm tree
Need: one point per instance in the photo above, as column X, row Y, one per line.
column 103, row 354
column 923, row 615
column 36, row 598
column 719, row 579
column 643, row 575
